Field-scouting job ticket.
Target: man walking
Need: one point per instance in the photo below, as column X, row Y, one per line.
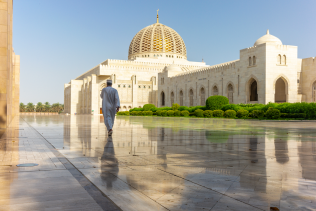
column 110, row 105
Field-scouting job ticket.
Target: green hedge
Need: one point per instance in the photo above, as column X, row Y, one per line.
column 216, row 102
column 287, row 110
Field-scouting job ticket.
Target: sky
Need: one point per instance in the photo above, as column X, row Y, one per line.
column 59, row 40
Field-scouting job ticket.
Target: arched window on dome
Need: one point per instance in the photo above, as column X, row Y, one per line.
column 250, row 61
column 254, row 60
column 279, row 59
column 284, row 60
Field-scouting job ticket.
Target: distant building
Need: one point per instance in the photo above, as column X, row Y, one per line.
column 157, row 72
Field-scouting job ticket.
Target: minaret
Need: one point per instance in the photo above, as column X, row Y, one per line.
column 157, row 16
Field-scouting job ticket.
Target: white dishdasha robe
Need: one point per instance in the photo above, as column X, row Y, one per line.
column 110, row 101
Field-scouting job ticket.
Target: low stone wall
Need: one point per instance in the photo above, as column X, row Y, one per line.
column 38, row 113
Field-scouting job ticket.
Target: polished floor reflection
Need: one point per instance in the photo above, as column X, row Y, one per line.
column 154, row 163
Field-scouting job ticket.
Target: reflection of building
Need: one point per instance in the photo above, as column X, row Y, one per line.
column 266, row 72
column 151, row 50
column 9, row 68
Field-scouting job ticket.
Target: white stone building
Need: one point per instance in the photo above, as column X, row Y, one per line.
column 157, row 72
column 152, row 49
column 266, row 72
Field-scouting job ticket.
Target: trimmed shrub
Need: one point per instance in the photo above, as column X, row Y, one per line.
column 257, row 114
column 158, row 113
column 230, row 114
column 231, row 107
column 147, row 113
column 216, row 102
column 218, row 113
column 139, row 113
column 177, row 113
column 185, row 113
column 136, row 109
column 123, row 113
column 272, row 105
column 147, row 107
column 170, row 113
column 133, row 113
column 208, row 113
column 273, row 113
column 184, row 108
column 163, row 113
column 198, row 113
column 175, row 106
column 242, row 113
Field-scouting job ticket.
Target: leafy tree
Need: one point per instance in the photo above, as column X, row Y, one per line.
column 57, row 107
column 30, row 107
column 39, row 107
column 22, row 107
column 47, row 107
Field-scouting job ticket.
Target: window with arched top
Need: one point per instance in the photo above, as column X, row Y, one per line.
column 172, row 98
column 181, row 98
column 191, row 97
column 250, row 61
column 279, row 59
column 284, row 60
column 202, row 93
column 230, row 91
column 254, row 60
column 215, row 90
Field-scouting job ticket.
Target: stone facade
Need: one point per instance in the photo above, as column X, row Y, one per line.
column 266, row 72
column 9, row 67
column 158, row 72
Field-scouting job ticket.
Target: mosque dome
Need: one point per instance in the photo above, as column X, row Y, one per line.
column 157, row 40
column 268, row 38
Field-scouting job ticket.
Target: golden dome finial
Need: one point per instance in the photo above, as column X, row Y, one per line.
column 157, row 16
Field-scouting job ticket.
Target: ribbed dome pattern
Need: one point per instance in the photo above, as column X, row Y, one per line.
column 157, row 38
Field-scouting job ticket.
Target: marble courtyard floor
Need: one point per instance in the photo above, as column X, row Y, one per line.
column 154, row 163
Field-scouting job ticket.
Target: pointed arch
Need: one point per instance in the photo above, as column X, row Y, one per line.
column 250, row 61
column 172, row 98
column 279, row 59
column 162, row 98
column 230, row 93
column 215, row 90
column 284, row 59
column 202, row 96
column 252, row 89
column 181, row 97
column 280, row 85
column 191, row 95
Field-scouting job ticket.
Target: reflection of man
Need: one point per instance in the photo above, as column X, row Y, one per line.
column 110, row 105
column 109, row 164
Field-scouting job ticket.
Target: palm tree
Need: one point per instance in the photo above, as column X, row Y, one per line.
column 30, row 107
column 57, row 107
column 22, row 107
column 39, row 107
column 47, row 107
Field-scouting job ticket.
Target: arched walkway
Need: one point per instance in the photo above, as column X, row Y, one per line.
column 202, row 93
column 172, row 98
column 162, row 98
column 191, row 97
column 181, row 98
column 253, row 91
column 280, row 91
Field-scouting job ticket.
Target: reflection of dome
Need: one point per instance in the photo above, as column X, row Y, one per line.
column 157, row 40
column 268, row 38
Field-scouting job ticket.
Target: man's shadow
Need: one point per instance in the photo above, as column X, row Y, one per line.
column 109, row 164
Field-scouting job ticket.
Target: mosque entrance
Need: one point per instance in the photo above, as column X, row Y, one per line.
column 280, row 91
column 253, row 91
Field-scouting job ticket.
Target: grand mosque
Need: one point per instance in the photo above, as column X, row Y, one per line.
column 157, row 71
